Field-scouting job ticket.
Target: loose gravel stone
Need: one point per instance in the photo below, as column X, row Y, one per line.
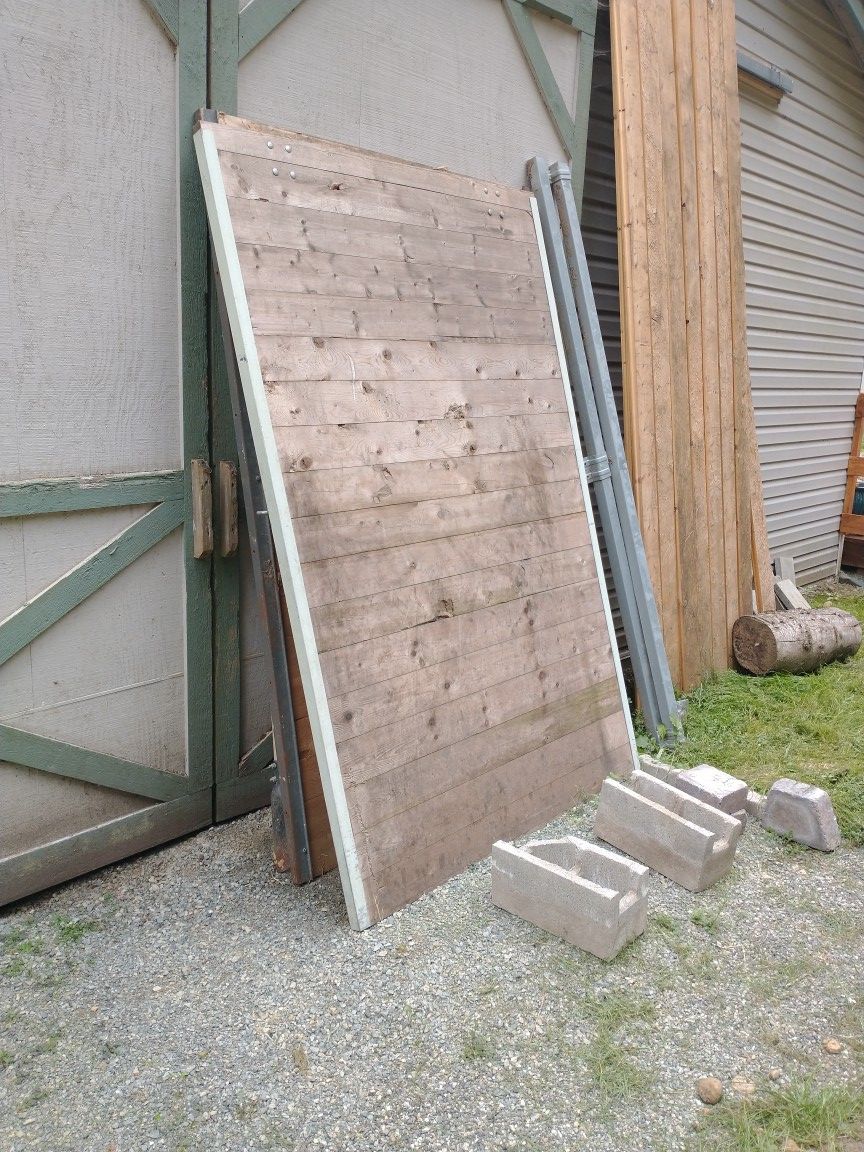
column 709, row 1089
column 192, row 999
column 832, row 1046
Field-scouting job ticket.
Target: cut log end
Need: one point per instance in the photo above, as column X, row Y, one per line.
column 794, row 641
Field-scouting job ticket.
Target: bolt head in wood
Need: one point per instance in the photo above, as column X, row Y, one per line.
column 287, row 147
column 275, row 171
column 269, row 143
column 293, row 175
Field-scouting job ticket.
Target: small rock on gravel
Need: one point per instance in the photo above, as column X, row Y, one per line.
column 741, row 1086
column 831, row 1046
column 775, row 1074
column 709, row 1089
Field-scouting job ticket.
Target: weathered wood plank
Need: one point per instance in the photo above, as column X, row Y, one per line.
column 387, row 701
column 288, row 358
column 362, row 402
column 378, row 485
column 381, row 658
column 311, row 152
column 344, row 195
column 395, row 441
column 406, row 389
column 350, row 576
column 382, row 798
column 260, row 223
column 344, row 533
column 419, row 847
column 389, row 747
column 316, row 273
column 346, row 316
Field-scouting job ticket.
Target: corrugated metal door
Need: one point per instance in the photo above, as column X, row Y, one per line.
column 803, row 206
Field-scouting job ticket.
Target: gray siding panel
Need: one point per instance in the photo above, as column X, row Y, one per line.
column 803, row 205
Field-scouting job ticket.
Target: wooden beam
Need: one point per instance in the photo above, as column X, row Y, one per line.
column 167, row 12
column 38, row 614
column 38, row 868
column 545, row 80
column 259, row 18
column 62, row 759
column 582, row 14
column 258, row 757
column 82, row 493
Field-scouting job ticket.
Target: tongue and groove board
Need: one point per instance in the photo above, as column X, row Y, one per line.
column 417, row 441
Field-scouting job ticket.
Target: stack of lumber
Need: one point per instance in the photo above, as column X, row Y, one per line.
column 418, row 448
column 688, row 412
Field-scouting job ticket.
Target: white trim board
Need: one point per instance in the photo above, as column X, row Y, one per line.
column 228, row 260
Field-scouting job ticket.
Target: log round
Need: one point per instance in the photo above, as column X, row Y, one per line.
column 797, row 641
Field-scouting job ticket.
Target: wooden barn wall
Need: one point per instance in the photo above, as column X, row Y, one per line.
column 89, row 350
column 441, row 84
column 803, row 191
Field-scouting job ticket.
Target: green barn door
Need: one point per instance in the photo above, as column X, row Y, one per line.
column 106, row 722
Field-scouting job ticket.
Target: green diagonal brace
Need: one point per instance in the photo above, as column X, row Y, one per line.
column 573, row 133
column 167, row 12
column 259, row 18
column 46, row 755
column 582, row 14
column 79, row 494
column 30, row 621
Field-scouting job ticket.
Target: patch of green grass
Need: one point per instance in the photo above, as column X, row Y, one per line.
column 477, row 1047
column 17, row 942
column 706, row 918
column 763, row 727
column 15, row 967
column 812, row 1116
column 608, row 1057
column 6, row 1058
column 665, row 922
column 71, row 931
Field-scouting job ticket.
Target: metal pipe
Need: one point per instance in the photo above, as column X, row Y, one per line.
column 604, row 399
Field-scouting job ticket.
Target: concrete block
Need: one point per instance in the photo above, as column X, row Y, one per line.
column 658, row 769
column 753, row 804
column 673, row 833
column 584, row 894
column 803, row 812
column 716, row 788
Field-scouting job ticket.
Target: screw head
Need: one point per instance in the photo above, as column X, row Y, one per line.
column 275, row 171
column 287, row 147
column 269, row 143
column 293, row 174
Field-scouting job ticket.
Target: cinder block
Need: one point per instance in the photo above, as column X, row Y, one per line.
column 803, row 812
column 659, row 770
column 587, row 895
column 716, row 788
column 753, row 804
column 673, row 833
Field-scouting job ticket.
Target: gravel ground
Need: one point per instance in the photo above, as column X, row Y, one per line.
column 193, row 1000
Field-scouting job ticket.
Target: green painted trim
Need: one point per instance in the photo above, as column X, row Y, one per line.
column 239, row 796
column 582, row 14
column 79, row 494
column 222, row 94
column 259, row 18
column 259, row 757
column 192, row 58
column 529, row 41
column 572, row 133
column 51, row 605
column 582, row 115
column 62, row 759
column 167, row 12
column 71, row 856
